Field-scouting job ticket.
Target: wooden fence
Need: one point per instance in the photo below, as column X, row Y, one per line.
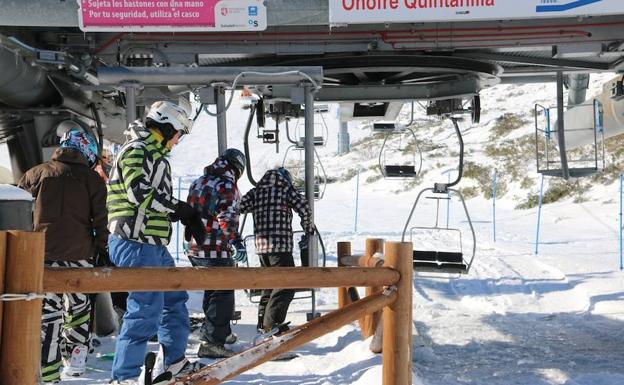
column 388, row 283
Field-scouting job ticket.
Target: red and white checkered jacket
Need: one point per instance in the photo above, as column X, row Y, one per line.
column 215, row 194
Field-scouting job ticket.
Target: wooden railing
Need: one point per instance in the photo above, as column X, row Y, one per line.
column 389, row 288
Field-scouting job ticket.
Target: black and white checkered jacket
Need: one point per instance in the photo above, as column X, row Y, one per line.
column 271, row 202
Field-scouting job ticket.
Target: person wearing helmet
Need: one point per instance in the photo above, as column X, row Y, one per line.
column 215, row 194
column 271, row 202
column 141, row 208
column 104, row 166
column 70, row 208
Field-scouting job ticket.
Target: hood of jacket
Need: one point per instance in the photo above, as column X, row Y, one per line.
column 272, row 178
column 137, row 131
column 220, row 167
column 70, row 156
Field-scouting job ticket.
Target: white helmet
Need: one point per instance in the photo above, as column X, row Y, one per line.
column 167, row 112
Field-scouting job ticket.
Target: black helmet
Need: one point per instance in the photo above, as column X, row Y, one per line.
column 236, row 159
column 285, row 173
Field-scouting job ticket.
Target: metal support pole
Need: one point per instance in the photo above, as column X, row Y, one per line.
column 343, row 139
column 494, row 205
column 309, row 168
column 178, row 237
column 130, row 103
column 310, row 182
column 560, row 128
column 357, row 200
column 539, row 215
column 448, row 204
column 221, row 122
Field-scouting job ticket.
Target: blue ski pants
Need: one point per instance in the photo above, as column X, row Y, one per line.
column 147, row 313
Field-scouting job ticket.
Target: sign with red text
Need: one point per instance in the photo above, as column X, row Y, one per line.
column 172, row 15
column 416, row 11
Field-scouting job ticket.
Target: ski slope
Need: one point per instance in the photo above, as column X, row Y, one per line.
column 516, row 319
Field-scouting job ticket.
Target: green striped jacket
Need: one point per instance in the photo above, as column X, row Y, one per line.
column 140, row 191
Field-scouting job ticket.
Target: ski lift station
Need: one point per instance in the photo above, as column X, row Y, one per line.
column 290, row 68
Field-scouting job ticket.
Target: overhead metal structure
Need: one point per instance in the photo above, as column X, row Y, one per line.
column 249, row 76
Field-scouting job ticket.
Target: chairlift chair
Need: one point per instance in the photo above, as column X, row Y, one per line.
column 439, row 261
column 549, row 158
column 384, row 127
column 398, row 171
column 320, row 175
column 321, row 108
column 321, row 133
column 255, row 294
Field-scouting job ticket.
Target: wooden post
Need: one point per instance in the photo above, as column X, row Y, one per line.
column 361, row 261
column 343, row 249
column 231, row 367
column 346, row 295
column 397, row 319
column 21, row 350
column 373, row 245
column 3, row 244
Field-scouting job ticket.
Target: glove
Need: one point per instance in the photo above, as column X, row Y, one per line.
column 183, row 211
column 240, row 251
column 194, row 227
column 303, row 242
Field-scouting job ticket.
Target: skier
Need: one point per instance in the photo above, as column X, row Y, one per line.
column 141, row 208
column 216, row 196
column 70, row 207
column 104, row 166
column 271, row 203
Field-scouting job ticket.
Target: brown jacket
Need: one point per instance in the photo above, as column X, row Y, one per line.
column 70, row 206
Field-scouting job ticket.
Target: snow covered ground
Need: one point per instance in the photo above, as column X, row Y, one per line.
column 517, row 318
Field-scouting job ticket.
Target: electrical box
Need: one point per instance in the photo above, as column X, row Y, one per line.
column 445, row 107
column 207, row 95
column 617, row 89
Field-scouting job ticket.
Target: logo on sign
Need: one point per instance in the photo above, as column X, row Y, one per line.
column 224, row 11
column 554, row 6
column 252, row 10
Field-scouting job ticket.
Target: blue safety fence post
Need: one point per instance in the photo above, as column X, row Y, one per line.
column 621, row 227
column 494, row 205
column 357, row 200
column 178, row 223
column 539, row 215
column 448, row 202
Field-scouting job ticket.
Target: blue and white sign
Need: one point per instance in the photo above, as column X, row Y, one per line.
column 415, row 11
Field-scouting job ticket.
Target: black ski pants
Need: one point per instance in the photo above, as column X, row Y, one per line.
column 218, row 305
column 274, row 303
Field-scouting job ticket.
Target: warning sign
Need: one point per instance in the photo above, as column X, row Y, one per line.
column 172, row 15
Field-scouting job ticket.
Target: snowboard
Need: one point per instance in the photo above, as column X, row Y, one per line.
column 277, row 330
